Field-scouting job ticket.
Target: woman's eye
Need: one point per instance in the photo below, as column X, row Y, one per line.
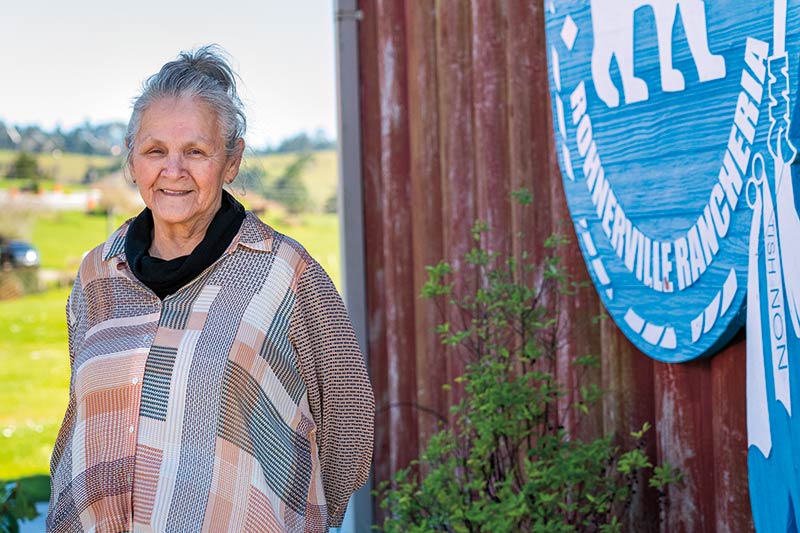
column 195, row 151
column 155, row 151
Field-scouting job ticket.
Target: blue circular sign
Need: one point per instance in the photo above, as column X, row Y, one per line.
column 659, row 110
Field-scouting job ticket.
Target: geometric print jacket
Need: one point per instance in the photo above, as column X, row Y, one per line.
column 239, row 403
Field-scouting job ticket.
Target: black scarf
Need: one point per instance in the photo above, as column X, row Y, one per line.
column 166, row 277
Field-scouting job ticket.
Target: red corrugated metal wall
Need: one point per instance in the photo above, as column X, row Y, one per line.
column 456, row 115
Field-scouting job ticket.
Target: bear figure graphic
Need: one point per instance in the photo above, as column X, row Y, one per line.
column 612, row 26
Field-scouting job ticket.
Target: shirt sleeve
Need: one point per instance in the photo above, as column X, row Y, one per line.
column 74, row 305
column 72, row 311
column 339, row 392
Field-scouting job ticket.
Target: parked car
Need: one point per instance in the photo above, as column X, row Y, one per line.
column 15, row 254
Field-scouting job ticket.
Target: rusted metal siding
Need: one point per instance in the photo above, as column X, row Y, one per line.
column 455, row 115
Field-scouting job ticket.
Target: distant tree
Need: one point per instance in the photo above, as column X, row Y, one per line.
column 289, row 188
column 321, row 141
column 332, row 204
column 26, row 167
column 77, row 141
column 253, row 178
column 303, row 142
column 296, row 143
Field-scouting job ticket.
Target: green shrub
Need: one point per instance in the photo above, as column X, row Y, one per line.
column 14, row 506
column 506, row 463
column 26, row 167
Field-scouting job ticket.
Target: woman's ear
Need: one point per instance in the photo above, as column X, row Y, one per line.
column 234, row 161
column 129, row 170
column 128, row 163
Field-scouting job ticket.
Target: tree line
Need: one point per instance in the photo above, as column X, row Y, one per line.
column 108, row 139
column 90, row 139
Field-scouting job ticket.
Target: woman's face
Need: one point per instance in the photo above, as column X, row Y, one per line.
column 179, row 164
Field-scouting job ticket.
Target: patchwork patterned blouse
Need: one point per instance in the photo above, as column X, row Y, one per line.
column 239, row 403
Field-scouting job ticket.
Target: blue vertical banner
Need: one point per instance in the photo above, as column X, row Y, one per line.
column 677, row 126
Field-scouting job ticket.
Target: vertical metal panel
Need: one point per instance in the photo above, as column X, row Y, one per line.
column 456, row 138
column 445, row 137
column 529, row 144
column 395, row 223
column 373, row 238
column 426, row 200
column 627, row 377
column 683, row 425
column 728, row 385
column 491, row 123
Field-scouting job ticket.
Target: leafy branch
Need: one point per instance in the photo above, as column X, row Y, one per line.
column 505, row 462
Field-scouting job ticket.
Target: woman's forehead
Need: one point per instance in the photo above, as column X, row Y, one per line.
column 182, row 116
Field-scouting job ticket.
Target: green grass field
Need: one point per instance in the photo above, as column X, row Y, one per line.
column 34, row 365
column 64, row 236
column 35, row 378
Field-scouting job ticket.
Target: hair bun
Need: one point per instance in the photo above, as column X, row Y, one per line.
column 212, row 61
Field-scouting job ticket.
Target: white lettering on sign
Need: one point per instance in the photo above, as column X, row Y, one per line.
column 777, row 321
column 667, row 265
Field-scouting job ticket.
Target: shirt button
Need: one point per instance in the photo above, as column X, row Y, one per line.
column 135, row 380
column 130, row 429
column 129, row 477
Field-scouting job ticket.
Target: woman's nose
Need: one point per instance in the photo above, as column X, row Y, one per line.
column 174, row 165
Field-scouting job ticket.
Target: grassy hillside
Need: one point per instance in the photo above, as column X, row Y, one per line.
column 66, row 168
column 320, row 175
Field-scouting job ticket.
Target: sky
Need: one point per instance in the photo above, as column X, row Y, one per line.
column 67, row 62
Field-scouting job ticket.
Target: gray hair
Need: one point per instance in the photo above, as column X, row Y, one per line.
column 203, row 73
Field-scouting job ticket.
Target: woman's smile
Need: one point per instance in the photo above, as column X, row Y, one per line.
column 172, row 192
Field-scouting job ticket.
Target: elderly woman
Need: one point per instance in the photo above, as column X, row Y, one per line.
column 216, row 382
